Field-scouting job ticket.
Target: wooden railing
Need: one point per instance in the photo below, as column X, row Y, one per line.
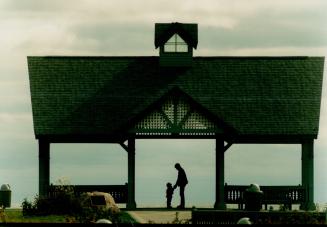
column 286, row 195
column 118, row 192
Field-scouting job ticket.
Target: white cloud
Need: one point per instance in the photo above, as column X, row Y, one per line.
column 261, row 51
column 15, row 129
column 47, row 34
column 15, row 117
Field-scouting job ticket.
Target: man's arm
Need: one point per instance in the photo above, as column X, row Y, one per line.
column 175, row 186
column 178, row 180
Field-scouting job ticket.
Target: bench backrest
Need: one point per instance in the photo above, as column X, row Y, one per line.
column 234, row 194
column 118, row 192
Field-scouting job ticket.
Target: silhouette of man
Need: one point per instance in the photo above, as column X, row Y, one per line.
column 181, row 183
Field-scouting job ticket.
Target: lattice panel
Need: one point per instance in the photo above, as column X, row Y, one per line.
column 176, row 115
column 197, row 121
column 153, row 121
column 168, row 109
column 182, row 109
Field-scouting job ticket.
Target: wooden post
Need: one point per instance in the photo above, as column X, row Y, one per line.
column 44, row 167
column 220, row 175
column 131, row 204
column 308, row 174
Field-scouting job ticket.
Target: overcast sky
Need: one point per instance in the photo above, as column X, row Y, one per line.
column 115, row 28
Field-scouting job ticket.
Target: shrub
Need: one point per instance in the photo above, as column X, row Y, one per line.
column 28, row 207
column 61, row 201
column 293, row 217
column 64, row 202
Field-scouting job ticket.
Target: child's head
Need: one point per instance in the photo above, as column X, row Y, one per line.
column 169, row 185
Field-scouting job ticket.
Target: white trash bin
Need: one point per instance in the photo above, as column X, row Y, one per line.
column 5, row 195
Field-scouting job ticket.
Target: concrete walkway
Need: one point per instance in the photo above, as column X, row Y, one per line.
column 160, row 216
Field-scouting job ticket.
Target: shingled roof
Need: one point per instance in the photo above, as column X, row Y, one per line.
column 263, row 96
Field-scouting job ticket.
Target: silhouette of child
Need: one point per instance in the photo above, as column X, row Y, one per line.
column 169, row 194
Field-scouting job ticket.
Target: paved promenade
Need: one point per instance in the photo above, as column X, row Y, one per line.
column 160, row 216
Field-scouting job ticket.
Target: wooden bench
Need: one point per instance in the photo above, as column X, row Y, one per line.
column 118, row 192
column 285, row 195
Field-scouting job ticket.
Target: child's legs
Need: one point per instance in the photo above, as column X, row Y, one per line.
column 169, row 201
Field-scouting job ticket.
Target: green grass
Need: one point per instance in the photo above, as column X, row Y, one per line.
column 16, row 216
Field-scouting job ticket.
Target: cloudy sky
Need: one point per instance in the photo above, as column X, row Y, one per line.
column 114, row 28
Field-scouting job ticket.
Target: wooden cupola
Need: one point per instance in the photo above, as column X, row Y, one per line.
column 176, row 42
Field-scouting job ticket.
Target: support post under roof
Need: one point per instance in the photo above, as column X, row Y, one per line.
column 44, row 166
column 220, row 175
column 308, row 174
column 131, row 204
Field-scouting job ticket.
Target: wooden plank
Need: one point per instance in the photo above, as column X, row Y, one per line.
column 286, row 195
column 118, row 192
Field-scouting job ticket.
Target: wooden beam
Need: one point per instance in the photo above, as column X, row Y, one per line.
column 123, row 145
column 44, row 167
column 185, row 118
column 131, row 204
column 228, row 145
column 220, row 175
column 308, row 174
column 162, row 113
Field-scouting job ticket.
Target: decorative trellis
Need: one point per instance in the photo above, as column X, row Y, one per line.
column 176, row 116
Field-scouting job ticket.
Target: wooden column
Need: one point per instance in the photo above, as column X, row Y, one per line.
column 220, row 175
column 131, row 204
column 308, row 174
column 44, row 167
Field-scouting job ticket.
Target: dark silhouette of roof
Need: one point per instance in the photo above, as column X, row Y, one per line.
column 101, row 95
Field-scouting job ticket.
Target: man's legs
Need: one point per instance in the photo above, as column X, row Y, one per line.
column 181, row 193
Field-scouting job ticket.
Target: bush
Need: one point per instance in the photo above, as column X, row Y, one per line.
column 61, row 201
column 28, row 208
column 64, row 202
column 293, row 217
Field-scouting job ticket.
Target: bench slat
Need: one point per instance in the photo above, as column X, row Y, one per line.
column 118, row 192
column 287, row 195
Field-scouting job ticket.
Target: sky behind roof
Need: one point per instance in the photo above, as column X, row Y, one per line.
column 126, row 28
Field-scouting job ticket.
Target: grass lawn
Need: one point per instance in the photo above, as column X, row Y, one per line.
column 16, row 216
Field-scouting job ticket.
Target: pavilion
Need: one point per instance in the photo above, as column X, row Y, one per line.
column 234, row 100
